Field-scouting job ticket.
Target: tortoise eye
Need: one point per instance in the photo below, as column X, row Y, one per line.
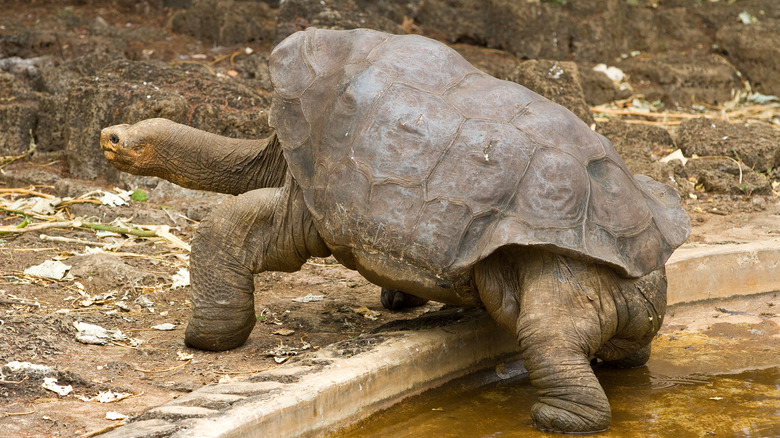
column 113, row 139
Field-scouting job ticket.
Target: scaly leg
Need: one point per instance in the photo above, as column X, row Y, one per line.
column 563, row 311
column 261, row 230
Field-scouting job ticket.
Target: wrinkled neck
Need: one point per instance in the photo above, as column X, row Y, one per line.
column 200, row 160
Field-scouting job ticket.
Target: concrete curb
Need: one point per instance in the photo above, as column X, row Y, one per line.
column 732, row 269
column 307, row 397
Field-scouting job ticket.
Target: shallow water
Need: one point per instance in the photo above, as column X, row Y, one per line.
column 645, row 403
column 710, row 374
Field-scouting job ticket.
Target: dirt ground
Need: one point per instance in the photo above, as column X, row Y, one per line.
column 120, row 281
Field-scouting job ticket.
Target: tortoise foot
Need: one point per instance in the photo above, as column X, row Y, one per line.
column 394, row 299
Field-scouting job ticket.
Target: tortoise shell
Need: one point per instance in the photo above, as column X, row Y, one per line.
column 403, row 148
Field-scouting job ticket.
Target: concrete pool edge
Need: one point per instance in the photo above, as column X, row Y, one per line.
column 732, row 269
column 306, row 397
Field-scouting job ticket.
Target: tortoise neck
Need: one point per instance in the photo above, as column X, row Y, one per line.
column 201, row 160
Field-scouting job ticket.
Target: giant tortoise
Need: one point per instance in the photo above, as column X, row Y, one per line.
column 428, row 176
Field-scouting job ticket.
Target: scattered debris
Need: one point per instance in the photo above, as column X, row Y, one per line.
column 165, row 327
column 676, row 155
column 181, row 278
column 111, row 415
column 51, row 269
column 29, row 369
column 144, row 301
column 96, row 335
column 284, row 332
column 283, row 352
column 367, row 313
column 50, row 383
column 225, row 379
column 106, row 397
column 732, row 312
column 114, row 199
column 180, row 355
column 747, row 18
column 309, row 298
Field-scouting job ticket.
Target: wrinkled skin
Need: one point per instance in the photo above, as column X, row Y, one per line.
column 564, row 308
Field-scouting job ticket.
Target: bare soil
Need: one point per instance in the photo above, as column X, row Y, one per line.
column 129, row 286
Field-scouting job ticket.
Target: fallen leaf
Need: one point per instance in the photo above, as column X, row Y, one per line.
column 284, row 332
column 110, row 415
column 309, row 298
column 50, row 383
column 51, row 269
column 367, row 313
column 96, row 335
column 180, row 355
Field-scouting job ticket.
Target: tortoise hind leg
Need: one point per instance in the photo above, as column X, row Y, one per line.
column 641, row 305
column 565, row 312
column 549, row 301
column 261, row 230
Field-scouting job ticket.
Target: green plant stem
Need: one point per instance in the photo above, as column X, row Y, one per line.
column 120, row 230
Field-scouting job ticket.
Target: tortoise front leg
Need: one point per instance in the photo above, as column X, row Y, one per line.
column 261, row 230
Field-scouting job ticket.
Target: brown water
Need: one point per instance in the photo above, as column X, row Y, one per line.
column 644, row 404
column 711, row 374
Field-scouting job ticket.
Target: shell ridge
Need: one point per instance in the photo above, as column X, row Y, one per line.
column 511, row 199
column 442, row 156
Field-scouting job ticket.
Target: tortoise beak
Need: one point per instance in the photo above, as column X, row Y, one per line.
column 109, row 140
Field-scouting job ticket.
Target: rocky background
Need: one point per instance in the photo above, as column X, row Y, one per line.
column 68, row 69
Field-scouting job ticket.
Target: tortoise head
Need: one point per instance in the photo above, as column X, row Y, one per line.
column 131, row 148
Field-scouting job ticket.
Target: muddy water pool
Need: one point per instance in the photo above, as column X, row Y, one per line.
column 712, row 373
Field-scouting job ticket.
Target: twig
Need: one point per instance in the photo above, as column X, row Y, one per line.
column 15, row 382
column 31, row 249
column 26, row 213
column 10, row 159
column 78, row 201
column 29, row 191
column 21, row 303
column 71, row 240
column 165, row 370
column 739, row 163
column 120, row 345
column 12, row 414
column 323, row 265
column 206, row 66
column 250, row 371
column 618, row 112
column 639, row 122
column 120, row 230
column 105, row 429
column 43, row 226
column 163, row 231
